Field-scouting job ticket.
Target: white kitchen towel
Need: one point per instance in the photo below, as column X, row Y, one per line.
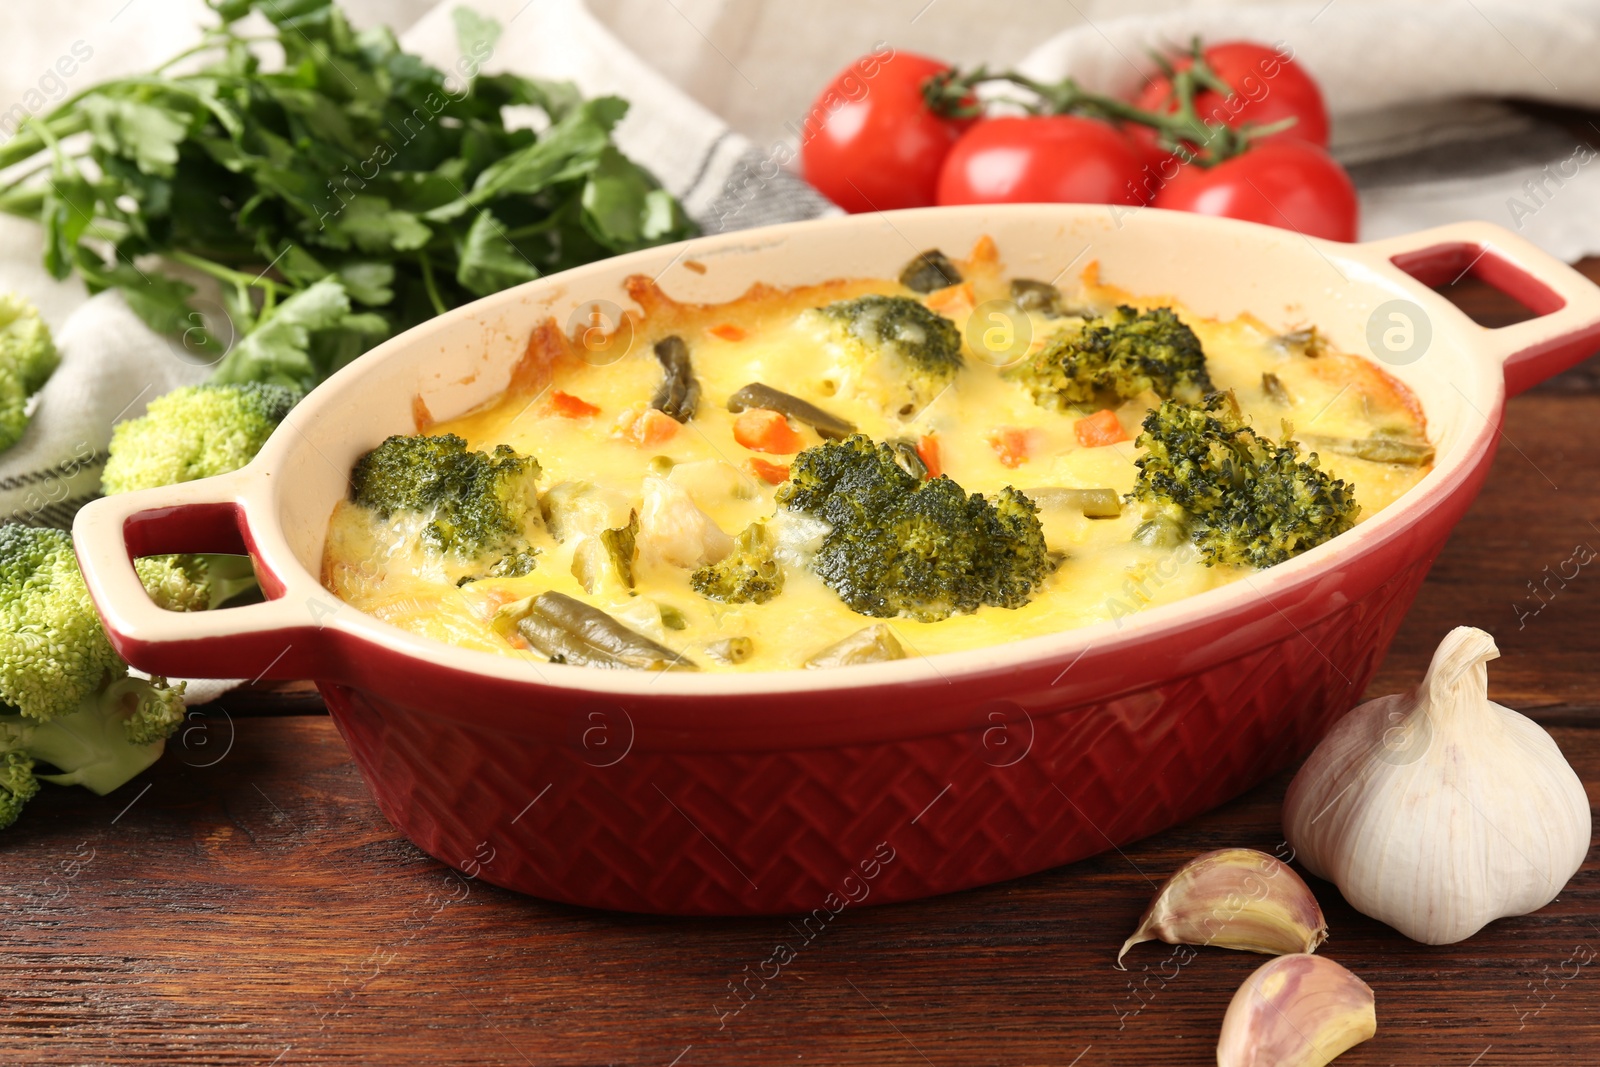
column 1368, row 55
column 1407, row 84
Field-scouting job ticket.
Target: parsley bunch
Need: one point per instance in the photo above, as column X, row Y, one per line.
column 338, row 198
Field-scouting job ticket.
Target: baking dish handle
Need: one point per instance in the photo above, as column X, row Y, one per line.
column 281, row 637
column 1566, row 305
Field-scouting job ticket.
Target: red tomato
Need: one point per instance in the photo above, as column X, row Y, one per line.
column 1156, row 163
column 1291, row 184
column 1051, row 159
column 870, row 143
column 1266, row 88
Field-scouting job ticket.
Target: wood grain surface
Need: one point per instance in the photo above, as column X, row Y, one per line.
column 245, row 903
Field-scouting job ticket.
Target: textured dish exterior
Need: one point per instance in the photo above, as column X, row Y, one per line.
column 751, row 832
column 785, row 791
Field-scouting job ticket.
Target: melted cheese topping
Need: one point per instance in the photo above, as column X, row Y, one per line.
column 767, row 336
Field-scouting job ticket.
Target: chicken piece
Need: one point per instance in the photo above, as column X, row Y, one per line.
column 674, row 531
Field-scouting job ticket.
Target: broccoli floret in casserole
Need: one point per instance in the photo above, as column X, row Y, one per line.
column 197, row 431
column 899, row 545
column 66, row 699
column 479, row 509
column 897, row 348
column 27, row 359
column 750, row 574
column 1244, row 500
column 1108, row 360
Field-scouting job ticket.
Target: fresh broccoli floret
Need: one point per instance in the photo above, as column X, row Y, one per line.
column 1244, row 500
column 27, row 359
column 750, row 574
column 67, row 697
column 194, row 582
column 194, row 432
column 1108, row 360
column 905, row 351
column 17, row 782
column 197, row 431
column 898, row 545
column 479, row 508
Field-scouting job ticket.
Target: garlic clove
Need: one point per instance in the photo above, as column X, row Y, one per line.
column 1234, row 898
column 1439, row 811
column 1296, row 1011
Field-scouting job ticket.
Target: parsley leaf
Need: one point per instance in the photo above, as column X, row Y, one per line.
column 347, row 173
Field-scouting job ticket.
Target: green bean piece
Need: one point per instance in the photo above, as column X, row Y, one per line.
column 609, row 554
column 1307, row 342
column 1094, row 503
column 1376, row 449
column 1040, row 297
column 678, row 395
column 570, row 631
column 756, row 395
column 875, row 644
column 1160, row 532
column 731, row 650
column 910, row 460
column 929, row 271
column 1273, row 386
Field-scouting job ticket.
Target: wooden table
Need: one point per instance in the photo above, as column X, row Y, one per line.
column 245, row 903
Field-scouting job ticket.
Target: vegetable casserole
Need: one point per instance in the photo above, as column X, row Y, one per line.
column 867, row 469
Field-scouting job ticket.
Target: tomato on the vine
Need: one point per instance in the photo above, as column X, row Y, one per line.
column 1041, row 159
column 870, row 141
column 1268, row 87
column 1290, row 184
column 1156, row 164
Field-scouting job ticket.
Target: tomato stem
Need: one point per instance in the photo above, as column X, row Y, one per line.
column 1182, row 131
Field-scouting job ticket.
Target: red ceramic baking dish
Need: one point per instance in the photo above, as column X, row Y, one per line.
column 790, row 791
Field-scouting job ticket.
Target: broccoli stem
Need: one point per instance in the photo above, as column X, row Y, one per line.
column 91, row 746
column 228, row 577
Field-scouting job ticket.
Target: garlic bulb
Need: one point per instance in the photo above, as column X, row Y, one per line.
column 1438, row 811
